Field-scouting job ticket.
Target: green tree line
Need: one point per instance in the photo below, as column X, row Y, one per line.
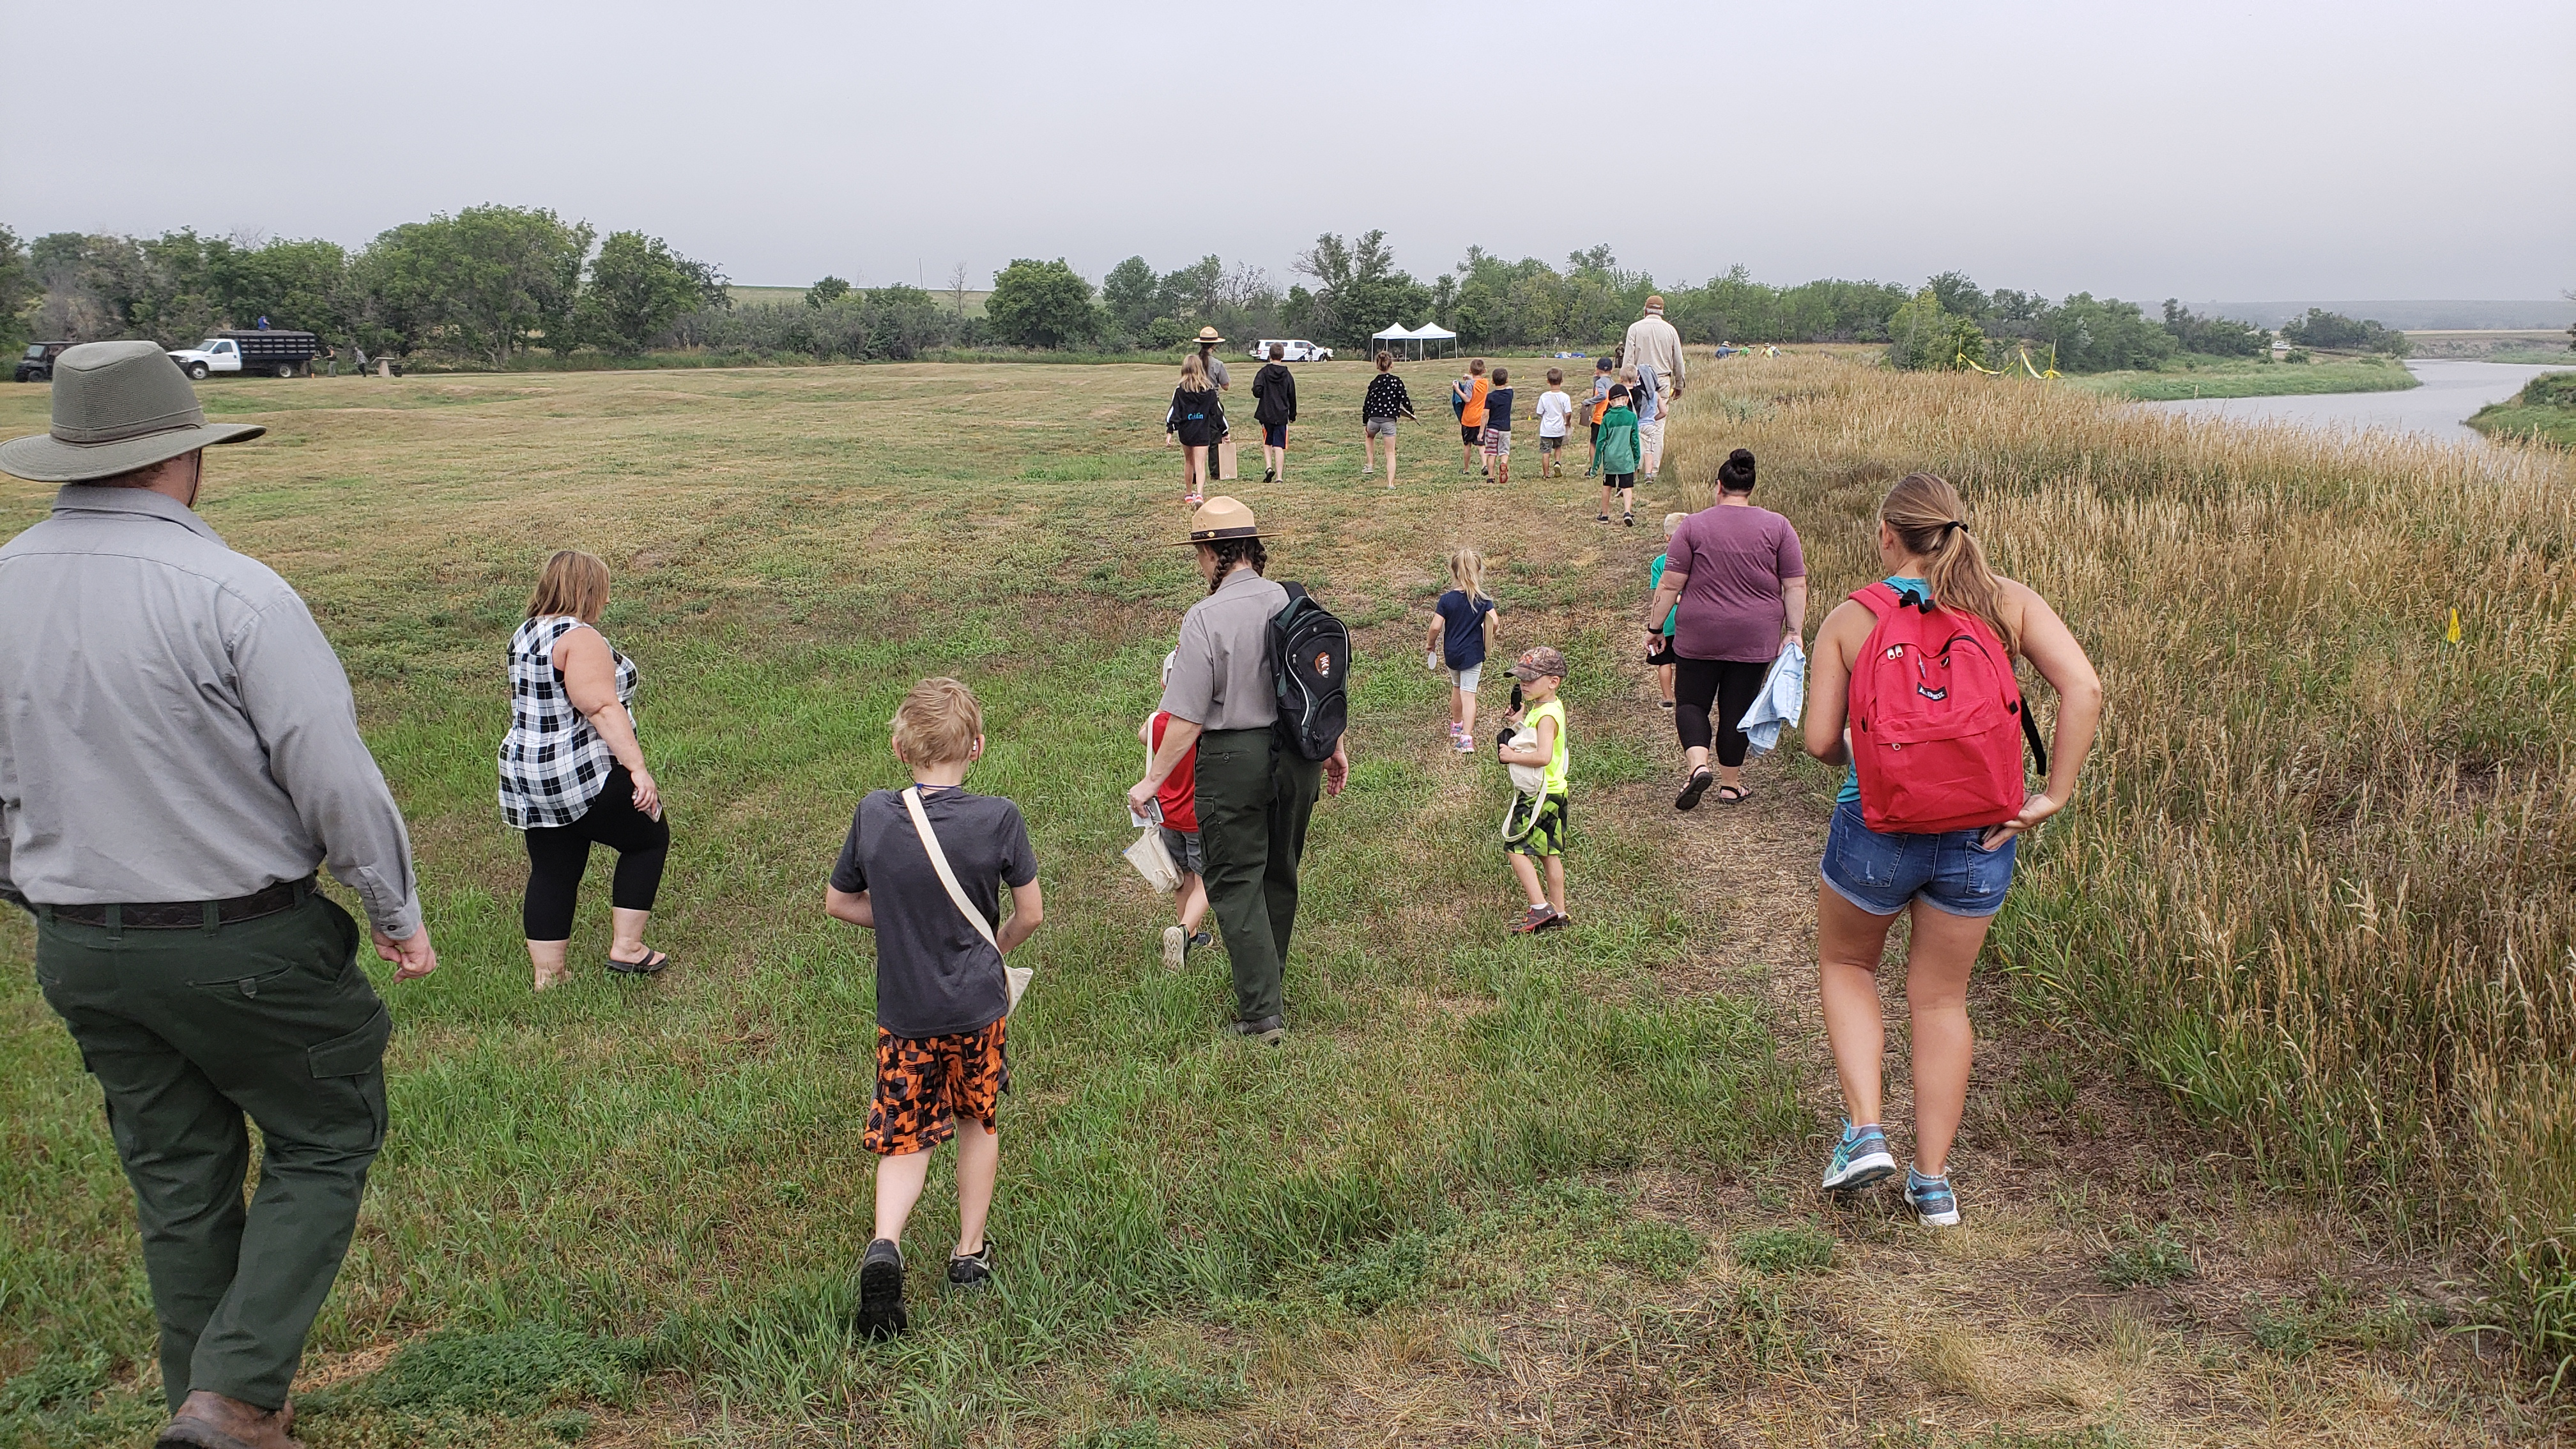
column 487, row 283
column 490, row 284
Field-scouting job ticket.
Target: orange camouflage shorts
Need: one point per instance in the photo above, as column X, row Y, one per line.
column 924, row 1085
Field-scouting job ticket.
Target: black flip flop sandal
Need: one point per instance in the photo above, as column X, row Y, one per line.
column 1697, row 786
column 653, row 961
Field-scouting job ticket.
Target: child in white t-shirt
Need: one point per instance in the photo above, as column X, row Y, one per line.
column 1555, row 410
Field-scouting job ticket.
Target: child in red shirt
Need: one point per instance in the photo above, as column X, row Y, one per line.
column 1179, row 801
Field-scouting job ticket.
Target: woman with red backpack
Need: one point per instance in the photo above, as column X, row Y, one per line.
column 1912, row 683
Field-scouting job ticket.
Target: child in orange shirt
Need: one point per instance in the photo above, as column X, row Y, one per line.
column 1467, row 396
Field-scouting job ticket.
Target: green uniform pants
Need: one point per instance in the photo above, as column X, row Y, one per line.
column 187, row 1031
column 1254, row 798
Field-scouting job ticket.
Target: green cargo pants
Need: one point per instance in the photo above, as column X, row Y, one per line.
column 1255, row 796
column 187, row 1031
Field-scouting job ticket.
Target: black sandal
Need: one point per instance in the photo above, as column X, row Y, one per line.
column 1697, row 786
column 1738, row 797
column 653, row 961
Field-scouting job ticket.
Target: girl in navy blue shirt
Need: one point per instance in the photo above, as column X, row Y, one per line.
column 1463, row 627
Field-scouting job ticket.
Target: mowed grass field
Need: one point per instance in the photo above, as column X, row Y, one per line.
column 1493, row 1191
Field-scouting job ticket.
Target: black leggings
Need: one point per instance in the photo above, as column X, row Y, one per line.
column 1732, row 684
column 558, row 854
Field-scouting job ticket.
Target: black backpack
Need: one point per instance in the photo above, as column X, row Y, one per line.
column 1310, row 659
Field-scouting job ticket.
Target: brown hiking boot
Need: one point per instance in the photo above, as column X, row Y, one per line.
column 208, row 1420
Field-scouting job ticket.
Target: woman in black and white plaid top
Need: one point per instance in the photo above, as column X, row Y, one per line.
column 1386, row 401
column 572, row 772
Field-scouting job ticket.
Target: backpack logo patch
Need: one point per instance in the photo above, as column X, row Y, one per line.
column 1324, row 664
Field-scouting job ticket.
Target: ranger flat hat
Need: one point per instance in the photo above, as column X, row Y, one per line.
column 118, row 406
column 1208, row 334
column 1222, row 518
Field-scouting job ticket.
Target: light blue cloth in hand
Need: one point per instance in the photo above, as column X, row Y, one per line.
column 1784, row 691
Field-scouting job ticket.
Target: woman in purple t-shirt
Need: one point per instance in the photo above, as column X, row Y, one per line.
column 1741, row 582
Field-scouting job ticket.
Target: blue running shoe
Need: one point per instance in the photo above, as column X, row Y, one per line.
column 1860, row 1158
column 1934, row 1204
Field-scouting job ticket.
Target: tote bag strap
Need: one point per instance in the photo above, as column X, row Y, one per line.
column 939, row 864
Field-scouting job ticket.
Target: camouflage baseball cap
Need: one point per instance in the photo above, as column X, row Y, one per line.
column 1535, row 662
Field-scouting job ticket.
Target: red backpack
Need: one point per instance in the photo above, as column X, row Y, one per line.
column 1933, row 706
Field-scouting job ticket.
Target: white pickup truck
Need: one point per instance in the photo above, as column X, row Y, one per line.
column 278, row 353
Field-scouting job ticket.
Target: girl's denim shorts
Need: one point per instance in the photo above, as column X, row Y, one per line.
column 1949, row 872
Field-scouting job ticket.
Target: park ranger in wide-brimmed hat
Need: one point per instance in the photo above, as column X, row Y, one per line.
column 1254, row 792
column 179, row 752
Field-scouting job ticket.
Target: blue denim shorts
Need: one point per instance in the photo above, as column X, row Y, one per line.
column 1949, row 872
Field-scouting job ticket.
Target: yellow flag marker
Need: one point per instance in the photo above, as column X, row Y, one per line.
column 2452, row 635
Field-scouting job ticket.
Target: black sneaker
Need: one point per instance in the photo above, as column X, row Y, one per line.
column 1269, row 1030
column 1202, row 940
column 881, row 1291
column 969, row 1270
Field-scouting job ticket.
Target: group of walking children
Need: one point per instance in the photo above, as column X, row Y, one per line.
column 1533, row 742
column 1484, row 410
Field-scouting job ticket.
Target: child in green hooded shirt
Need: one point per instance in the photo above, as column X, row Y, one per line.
column 1617, row 451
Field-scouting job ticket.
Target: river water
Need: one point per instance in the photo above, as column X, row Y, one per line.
column 2451, row 390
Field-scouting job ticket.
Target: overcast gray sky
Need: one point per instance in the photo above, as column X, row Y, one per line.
column 2240, row 151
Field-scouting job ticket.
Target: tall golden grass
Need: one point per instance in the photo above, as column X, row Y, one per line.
column 2318, row 879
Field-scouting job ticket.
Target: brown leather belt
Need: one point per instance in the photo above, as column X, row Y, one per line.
column 186, row 915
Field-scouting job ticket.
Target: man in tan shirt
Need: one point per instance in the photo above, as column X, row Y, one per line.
column 1654, row 348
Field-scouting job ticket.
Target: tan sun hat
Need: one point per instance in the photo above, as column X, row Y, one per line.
column 118, row 406
column 1222, row 518
column 1208, row 334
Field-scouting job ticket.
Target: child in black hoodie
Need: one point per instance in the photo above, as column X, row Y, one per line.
column 1274, row 406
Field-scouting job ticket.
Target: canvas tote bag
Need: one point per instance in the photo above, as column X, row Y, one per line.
column 1015, row 977
column 1153, row 859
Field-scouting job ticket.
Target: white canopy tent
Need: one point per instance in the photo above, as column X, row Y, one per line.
column 1394, row 338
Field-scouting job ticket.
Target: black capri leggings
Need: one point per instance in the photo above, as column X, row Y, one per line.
column 1732, row 684
column 558, row 854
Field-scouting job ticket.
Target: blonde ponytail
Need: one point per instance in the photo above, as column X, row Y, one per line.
column 1467, row 571
column 1931, row 521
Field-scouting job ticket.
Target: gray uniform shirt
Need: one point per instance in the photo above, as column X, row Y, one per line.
column 1216, row 369
column 173, row 725
column 1221, row 676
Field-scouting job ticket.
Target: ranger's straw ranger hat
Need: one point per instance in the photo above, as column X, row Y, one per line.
column 1208, row 334
column 1220, row 519
column 118, row 406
